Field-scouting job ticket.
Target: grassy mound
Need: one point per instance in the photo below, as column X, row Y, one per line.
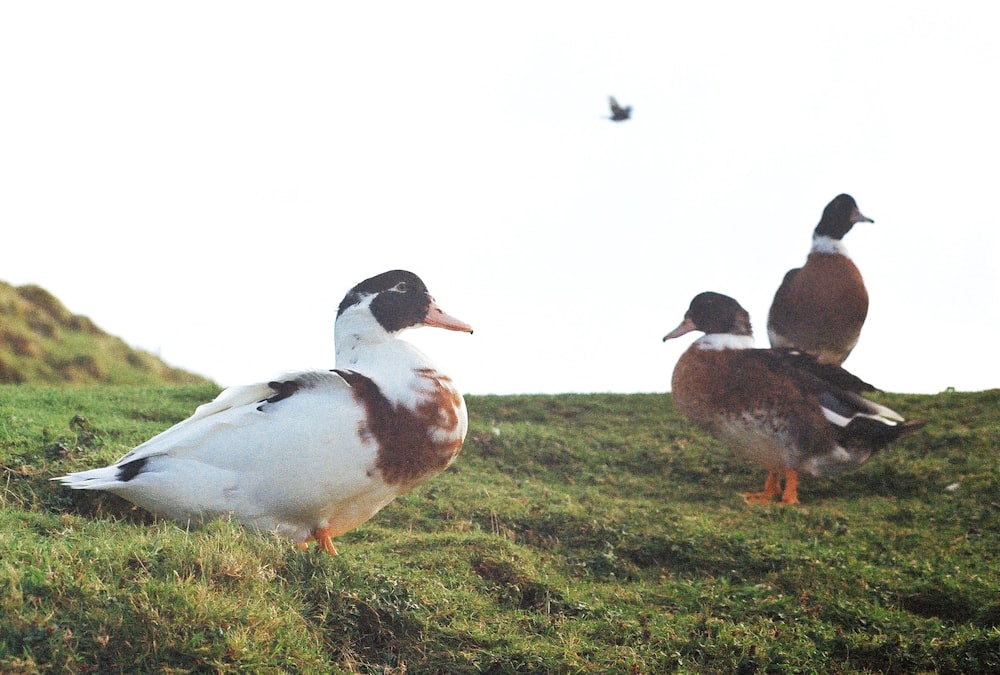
column 41, row 341
column 575, row 534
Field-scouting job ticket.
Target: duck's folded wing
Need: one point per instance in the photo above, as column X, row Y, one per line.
column 838, row 391
column 234, row 406
column 829, row 374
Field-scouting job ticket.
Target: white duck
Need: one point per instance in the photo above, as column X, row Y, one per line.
column 314, row 454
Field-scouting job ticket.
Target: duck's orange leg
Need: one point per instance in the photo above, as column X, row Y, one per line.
column 791, row 494
column 772, row 488
column 323, row 538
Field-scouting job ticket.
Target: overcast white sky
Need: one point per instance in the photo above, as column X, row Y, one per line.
column 207, row 179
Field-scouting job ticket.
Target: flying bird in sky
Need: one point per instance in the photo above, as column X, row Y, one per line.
column 619, row 113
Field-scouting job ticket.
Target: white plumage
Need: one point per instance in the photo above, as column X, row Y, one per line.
column 313, row 454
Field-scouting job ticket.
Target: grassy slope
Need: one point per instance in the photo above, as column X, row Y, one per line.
column 41, row 341
column 590, row 533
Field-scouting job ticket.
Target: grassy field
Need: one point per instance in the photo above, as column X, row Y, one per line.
column 590, row 534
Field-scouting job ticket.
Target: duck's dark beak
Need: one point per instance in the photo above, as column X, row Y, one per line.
column 686, row 326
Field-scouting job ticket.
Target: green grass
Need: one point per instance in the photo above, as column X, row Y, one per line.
column 591, row 533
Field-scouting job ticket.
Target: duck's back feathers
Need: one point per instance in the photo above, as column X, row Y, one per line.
column 808, row 366
column 252, row 451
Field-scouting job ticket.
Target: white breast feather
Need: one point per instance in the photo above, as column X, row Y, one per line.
column 719, row 341
column 824, row 244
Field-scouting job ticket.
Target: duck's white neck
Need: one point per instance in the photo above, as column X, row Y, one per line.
column 356, row 333
column 719, row 341
column 363, row 345
column 403, row 375
column 824, row 244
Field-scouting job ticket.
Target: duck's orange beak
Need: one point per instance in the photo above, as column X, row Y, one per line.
column 438, row 318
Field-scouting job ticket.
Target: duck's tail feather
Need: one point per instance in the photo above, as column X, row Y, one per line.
column 871, row 435
column 858, row 441
column 94, row 479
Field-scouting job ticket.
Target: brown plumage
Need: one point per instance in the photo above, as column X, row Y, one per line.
column 413, row 445
column 782, row 409
column 821, row 307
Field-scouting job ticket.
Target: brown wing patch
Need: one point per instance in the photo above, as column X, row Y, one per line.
column 413, row 445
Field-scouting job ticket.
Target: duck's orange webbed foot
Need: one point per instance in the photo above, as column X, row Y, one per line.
column 772, row 488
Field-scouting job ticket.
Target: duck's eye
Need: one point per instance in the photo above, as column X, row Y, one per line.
column 401, row 287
